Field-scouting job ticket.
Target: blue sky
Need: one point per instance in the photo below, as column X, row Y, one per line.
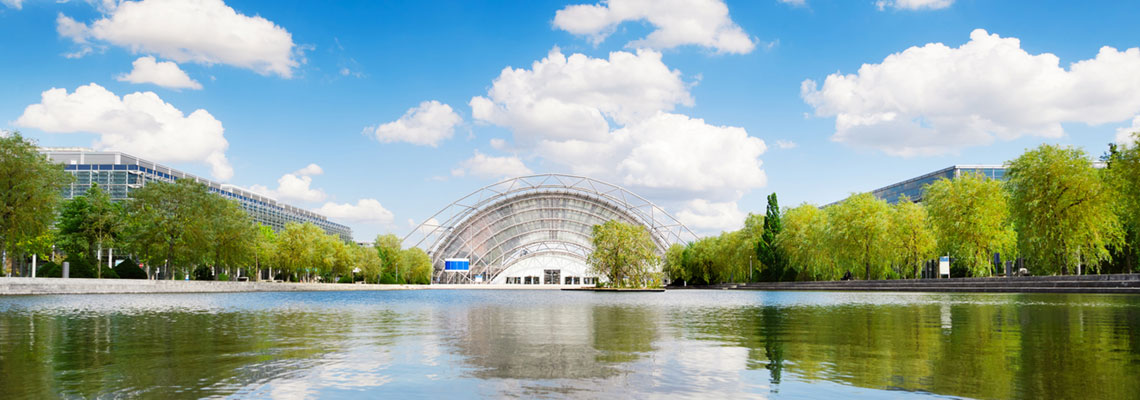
column 377, row 113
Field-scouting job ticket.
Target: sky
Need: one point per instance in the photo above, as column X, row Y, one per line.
column 378, row 114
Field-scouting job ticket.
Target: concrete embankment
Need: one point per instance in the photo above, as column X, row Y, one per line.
column 1105, row 284
column 32, row 286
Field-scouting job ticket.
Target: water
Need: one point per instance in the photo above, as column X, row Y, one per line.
column 551, row 344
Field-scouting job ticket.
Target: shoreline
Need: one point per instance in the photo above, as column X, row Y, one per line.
column 1128, row 284
column 56, row 286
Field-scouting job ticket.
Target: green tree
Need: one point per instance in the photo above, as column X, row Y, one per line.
column 1123, row 176
column 803, row 242
column 623, row 253
column 388, row 247
column 911, row 237
column 674, row 266
column 298, row 250
column 1063, row 211
column 859, row 234
column 970, row 215
column 231, row 235
column 766, row 251
column 167, row 225
column 368, row 261
column 418, row 266
column 264, row 250
column 89, row 224
column 30, row 187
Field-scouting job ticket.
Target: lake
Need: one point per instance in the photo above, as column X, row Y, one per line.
column 552, row 344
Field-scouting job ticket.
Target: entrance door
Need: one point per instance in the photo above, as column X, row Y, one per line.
column 551, row 276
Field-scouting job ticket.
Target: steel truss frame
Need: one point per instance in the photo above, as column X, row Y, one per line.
column 477, row 216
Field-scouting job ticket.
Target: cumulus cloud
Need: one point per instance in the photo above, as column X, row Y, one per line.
column 676, row 23
column 623, row 130
column 572, row 97
column 368, row 211
column 484, row 166
column 705, row 216
column 1125, row 135
column 200, row 31
column 937, row 99
column 913, row 5
column 296, row 186
column 165, row 74
column 139, row 123
column 426, row 125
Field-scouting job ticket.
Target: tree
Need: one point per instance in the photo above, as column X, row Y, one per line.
column 753, row 235
column 368, row 261
column 30, row 187
column 418, row 266
column 766, row 250
column 231, row 235
column 859, row 229
column 674, row 266
column 166, row 224
column 911, row 238
column 88, row 224
column 1123, row 176
column 1063, row 211
column 298, row 251
column 803, row 243
column 970, row 215
column 388, row 247
column 623, row 253
column 264, row 249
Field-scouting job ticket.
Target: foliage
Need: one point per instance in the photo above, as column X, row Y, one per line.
column 623, row 253
column 417, row 265
column 1063, row 211
column 166, row 224
column 388, row 247
column 89, row 225
column 911, row 238
column 970, row 215
column 804, row 243
column 766, row 251
column 674, row 266
column 30, row 187
column 1122, row 175
column 858, row 233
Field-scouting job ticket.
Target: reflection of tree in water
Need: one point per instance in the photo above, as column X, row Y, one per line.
column 170, row 353
column 554, row 342
column 1026, row 346
column 772, row 321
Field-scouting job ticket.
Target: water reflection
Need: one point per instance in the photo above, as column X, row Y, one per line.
column 551, row 344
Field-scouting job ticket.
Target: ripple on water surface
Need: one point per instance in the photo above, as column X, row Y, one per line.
column 477, row 343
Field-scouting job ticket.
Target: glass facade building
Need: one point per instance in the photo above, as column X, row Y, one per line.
column 119, row 174
column 915, row 187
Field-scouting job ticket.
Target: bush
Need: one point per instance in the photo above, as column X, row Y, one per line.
column 223, row 277
column 129, row 269
column 202, row 274
column 345, row 279
column 49, row 270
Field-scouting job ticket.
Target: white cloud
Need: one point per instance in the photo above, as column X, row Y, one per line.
column 484, row 166
column 1124, row 135
column 426, row 125
column 17, row 4
column 165, row 74
column 139, row 123
column 634, row 140
column 367, row 211
column 936, row 99
column 296, row 186
column 677, row 22
column 796, row 3
column 572, row 97
column 709, row 217
column 200, row 31
column 786, row 144
column 913, row 5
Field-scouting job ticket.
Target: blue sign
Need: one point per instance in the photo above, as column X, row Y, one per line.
column 456, row 264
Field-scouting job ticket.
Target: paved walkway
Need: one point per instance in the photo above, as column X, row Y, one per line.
column 30, row 286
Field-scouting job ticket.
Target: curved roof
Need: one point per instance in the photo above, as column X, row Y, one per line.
column 520, row 218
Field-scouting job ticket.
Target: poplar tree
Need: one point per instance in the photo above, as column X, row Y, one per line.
column 766, row 250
